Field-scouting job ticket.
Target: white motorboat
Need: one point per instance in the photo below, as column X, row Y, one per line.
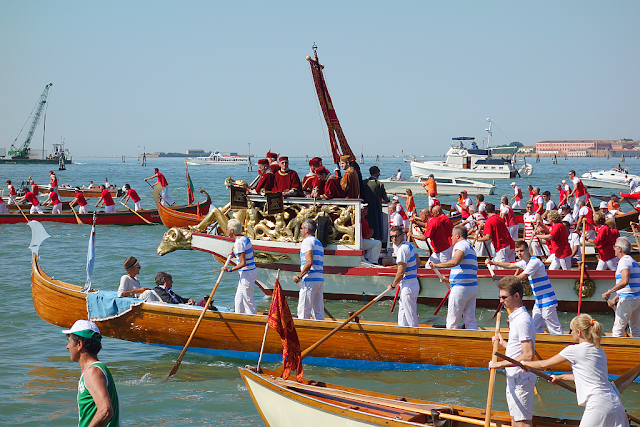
column 613, row 175
column 446, row 186
column 216, row 158
column 604, row 183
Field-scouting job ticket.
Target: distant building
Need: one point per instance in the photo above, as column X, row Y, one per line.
column 527, row 149
column 574, row 145
column 195, row 152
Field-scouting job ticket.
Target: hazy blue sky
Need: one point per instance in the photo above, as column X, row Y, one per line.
column 406, row 75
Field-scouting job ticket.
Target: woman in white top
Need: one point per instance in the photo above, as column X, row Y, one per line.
column 129, row 285
column 588, row 361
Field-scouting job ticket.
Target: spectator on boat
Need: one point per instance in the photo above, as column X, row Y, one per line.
column 106, row 200
column 81, row 201
column 546, row 304
column 463, row 204
column 374, row 193
column 585, row 219
column 411, row 205
column 54, row 200
column 438, row 231
column 267, row 178
column 370, row 246
column 33, row 199
column 538, row 201
column 562, row 194
column 328, row 186
column 106, row 183
column 509, row 217
column 605, row 241
column 129, row 285
column 549, row 205
column 53, row 182
column 604, row 208
column 463, row 281
column 274, row 165
column 559, row 248
column 164, row 283
column 246, row 268
column 3, row 206
column 578, row 192
column 310, row 179
column 627, row 287
column 517, row 196
column 633, row 186
column 495, row 230
column 133, row 195
column 286, row 180
column 350, row 181
column 12, row 192
column 481, row 205
column 311, row 278
column 521, row 347
column 162, row 181
column 406, row 277
column 530, row 190
column 398, row 176
column 98, row 403
column 588, row 361
column 614, row 205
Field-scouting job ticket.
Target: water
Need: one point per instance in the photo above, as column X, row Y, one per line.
column 38, row 381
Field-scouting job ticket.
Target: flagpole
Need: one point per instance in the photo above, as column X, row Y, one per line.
column 264, row 337
column 91, row 253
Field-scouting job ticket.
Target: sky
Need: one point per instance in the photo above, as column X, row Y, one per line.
column 405, row 77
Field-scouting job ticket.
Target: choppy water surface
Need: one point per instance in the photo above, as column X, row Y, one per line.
column 38, row 381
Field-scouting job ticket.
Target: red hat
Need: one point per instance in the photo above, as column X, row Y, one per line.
column 263, row 161
column 322, row 171
column 315, row 161
column 283, row 158
column 271, row 155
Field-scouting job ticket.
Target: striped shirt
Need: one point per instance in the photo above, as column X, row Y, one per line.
column 540, row 283
column 632, row 290
column 406, row 253
column 529, row 224
column 310, row 243
column 465, row 273
column 243, row 245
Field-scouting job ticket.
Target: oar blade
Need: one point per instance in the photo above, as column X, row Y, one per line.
column 624, row 380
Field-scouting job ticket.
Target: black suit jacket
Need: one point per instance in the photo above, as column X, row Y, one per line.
column 166, row 297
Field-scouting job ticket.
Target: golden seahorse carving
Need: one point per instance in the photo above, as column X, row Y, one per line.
column 267, row 258
column 295, row 223
column 177, row 238
column 214, row 215
column 349, row 231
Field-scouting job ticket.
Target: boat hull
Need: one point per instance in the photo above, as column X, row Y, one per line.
column 603, row 183
column 71, row 192
column 442, row 170
column 371, row 345
column 177, row 218
column 452, row 188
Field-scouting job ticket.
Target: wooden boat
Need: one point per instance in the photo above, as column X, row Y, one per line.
column 286, row 402
column 176, row 218
column 120, row 217
column 371, row 345
column 446, row 186
column 86, row 192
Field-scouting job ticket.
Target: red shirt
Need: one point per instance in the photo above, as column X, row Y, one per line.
column 605, row 239
column 439, row 231
column 500, row 237
column 54, row 181
column 332, row 188
column 162, row 180
column 510, row 218
column 12, row 190
column 580, row 190
column 285, row 181
column 265, row 181
column 106, row 198
column 563, row 197
column 134, row 196
column 519, row 194
column 53, row 196
column 32, row 198
column 80, row 199
column 559, row 243
column 307, row 182
column 364, row 226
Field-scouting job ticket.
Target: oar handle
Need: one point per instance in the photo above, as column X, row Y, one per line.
column 442, row 302
column 492, row 375
column 337, row 328
column 535, row 371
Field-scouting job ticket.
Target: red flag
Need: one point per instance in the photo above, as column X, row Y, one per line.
column 281, row 321
column 189, row 186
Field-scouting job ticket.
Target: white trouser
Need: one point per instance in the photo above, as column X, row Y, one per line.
column 110, row 209
column 12, row 199
column 165, row 197
column 371, row 248
column 138, row 205
column 576, row 208
column 56, row 209
column 244, row 295
column 627, row 313
column 311, row 300
column 481, row 249
column 504, row 255
column 559, row 263
column 548, row 316
column 35, row 209
column 83, row 209
column 408, row 303
column 611, row 264
column 591, row 234
column 513, row 231
column 462, row 304
column 3, row 208
column 54, row 190
column 520, row 395
column 535, row 249
column 516, row 205
column 444, row 256
column 604, row 410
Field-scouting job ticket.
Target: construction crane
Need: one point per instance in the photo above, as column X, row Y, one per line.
column 22, row 152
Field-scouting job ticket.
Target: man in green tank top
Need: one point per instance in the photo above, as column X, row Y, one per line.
column 97, row 396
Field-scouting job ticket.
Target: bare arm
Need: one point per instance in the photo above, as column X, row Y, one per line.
column 527, row 354
column 545, row 364
column 624, row 281
column 96, row 384
column 455, row 260
column 308, row 263
column 402, row 267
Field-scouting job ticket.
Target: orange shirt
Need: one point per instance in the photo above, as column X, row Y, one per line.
column 613, row 206
column 411, row 205
column 432, row 187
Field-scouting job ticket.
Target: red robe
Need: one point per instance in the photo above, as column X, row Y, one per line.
column 266, row 181
column 307, row 182
column 332, row 188
column 289, row 180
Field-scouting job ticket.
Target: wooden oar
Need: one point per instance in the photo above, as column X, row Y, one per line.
column 395, row 299
column 141, row 217
column 624, row 380
column 448, row 290
column 76, row 215
column 20, row 209
column 195, row 328
column 326, row 337
column 534, row 371
column 584, row 242
column 492, row 375
column 500, row 304
column 635, row 235
column 266, row 327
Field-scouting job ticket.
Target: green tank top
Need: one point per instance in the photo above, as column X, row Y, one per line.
column 86, row 405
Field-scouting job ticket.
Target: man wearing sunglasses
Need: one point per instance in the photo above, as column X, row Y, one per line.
column 406, row 278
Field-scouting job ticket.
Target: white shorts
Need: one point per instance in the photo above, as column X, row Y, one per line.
column 504, row 255
column 462, row 304
column 444, row 256
column 604, row 410
column 311, row 300
column 35, row 209
column 83, row 209
column 57, row 209
column 559, row 263
column 548, row 316
column 244, row 294
column 516, row 204
column 611, row 264
column 513, row 231
column 627, row 313
column 3, row 208
column 520, row 397
column 110, row 209
column 138, row 205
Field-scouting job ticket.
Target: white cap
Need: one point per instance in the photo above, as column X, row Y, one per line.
column 513, row 183
column 603, row 204
column 564, row 181
column 83, row 328
column 395, row 198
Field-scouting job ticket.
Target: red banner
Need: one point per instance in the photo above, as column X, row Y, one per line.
column 281, row 321
column 189, row 187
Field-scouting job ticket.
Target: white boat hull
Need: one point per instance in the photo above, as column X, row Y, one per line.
column 443, row 170
column 602, row 183
column 196, row 162
column 451, row 188
column 611, row 175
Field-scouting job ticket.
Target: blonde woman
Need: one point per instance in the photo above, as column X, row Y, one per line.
column 588, row 361
column 411, row 205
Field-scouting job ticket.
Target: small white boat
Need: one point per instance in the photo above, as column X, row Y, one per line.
column 446, row 186
column 605, row 183
column 216, row 158
column 613, row 175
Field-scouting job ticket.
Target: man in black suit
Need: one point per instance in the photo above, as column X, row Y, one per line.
column 165, row 282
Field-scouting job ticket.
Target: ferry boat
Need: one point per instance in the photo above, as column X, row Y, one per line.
column 216, row 158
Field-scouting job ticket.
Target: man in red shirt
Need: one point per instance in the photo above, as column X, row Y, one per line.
column 558, row 238
column 273, row 162
column 496, row 230
column 310, row 179
column 370, row 246
column 287, row 180
column 33, row 199
column 605, row 241
column 12, row 192
column 438, row 231
column 55, row 201
column 578, row 192
column 329, row 187
column 162, row 181
column 133, row 195
column 266, row 181
column 81, row 201
column 106, row 200
column 53, row 184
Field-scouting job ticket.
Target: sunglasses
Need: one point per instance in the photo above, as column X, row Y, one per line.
column 393, row 236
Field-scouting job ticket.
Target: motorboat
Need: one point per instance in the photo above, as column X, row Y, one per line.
column 612, row 175
column 216, row 158
column 446, row 186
